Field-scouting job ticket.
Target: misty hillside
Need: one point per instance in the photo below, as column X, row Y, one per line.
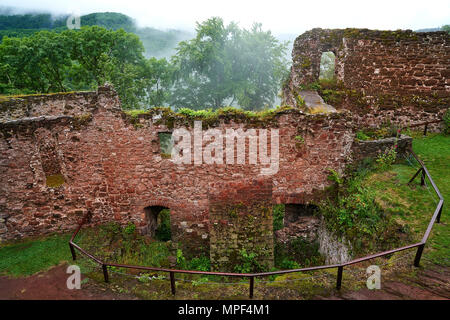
column 157, row 43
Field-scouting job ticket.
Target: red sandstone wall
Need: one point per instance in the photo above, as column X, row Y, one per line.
column 115, row 170
column 403, row 71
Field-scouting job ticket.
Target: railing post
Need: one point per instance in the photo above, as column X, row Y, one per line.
column 415, row 175
column 438, row 218
column 339, row 277
column 252, row 281
column 172, row 282
column 422, row 178
column 105, row 273
column 72, row 250
column 418, row 255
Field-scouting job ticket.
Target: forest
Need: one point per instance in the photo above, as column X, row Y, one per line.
column 220, row 65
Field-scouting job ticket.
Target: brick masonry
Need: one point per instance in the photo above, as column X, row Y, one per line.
column 113, row 167
column 240, row 215
column 398, row 75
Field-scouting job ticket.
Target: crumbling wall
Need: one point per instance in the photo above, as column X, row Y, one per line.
column 111, row 165
column 402, row 71
column 240, row 215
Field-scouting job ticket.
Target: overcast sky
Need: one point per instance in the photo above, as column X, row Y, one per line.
column 280, row 16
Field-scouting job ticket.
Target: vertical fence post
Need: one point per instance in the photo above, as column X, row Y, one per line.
column 438, row 218
column 72, row 250
column 252, row 281
column 105, row 272
column 422, row 178
column 418, row 255
column 172, row 282
column 425, row 130
column 339, row 277
column 415, row 175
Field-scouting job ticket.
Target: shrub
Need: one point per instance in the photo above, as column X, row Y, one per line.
column 387, row 158
column 248, row 262
column 360, row 135
column 130, row 228
column 163, row 231
column 278, row 217
column 200, row 263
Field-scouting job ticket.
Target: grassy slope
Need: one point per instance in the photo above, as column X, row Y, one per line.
column 414, row 205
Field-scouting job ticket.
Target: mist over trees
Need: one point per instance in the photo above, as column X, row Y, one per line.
column 225, row 64
column 222, row 65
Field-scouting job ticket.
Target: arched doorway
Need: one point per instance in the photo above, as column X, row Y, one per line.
column 158, row 223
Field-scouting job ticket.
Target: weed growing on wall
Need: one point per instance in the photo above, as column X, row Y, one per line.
column 387, row 158
column 356, row 215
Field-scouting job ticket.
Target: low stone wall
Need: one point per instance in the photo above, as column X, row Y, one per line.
column 334, row 250
column 372, row 148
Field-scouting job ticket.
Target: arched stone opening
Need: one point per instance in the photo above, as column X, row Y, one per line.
column 158, row 223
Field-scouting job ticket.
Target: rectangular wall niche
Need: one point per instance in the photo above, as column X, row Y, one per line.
column 49, row 159
column 240, row 218
column 165, row 144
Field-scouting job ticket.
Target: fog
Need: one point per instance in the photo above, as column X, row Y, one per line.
column 282, row 16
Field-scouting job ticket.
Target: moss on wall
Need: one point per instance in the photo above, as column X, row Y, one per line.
column 54, row 180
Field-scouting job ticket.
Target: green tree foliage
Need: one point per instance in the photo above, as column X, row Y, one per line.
column 226, row 64
column 83, row 59
column 222, row 65
column 35, row 64
column 446, row 28
column 327, row 66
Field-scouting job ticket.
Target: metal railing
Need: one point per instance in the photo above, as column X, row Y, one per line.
column 425, row 129
column 251, row 276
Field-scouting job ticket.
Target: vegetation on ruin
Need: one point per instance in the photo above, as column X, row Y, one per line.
column 376, row 210
column 54, row 181
column 447, row 122
column 209, row 117
column 335, row 93
column 385, row 130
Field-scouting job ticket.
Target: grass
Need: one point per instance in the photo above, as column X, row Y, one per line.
column 31, row 256
column 414, row 205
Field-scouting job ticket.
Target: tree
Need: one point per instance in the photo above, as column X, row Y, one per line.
column 159, row 74
column 36, row 63
column 201, row 66
column 226, row 64
column 259, row 67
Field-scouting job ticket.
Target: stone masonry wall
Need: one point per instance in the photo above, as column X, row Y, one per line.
column 113, row 168
column 240, row 215
column 402, row 71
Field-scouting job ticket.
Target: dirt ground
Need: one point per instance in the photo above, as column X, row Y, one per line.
column 430, row 284
column 51, row 285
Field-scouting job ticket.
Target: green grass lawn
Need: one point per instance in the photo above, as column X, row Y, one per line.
column 414, row 205
column 31, row 256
